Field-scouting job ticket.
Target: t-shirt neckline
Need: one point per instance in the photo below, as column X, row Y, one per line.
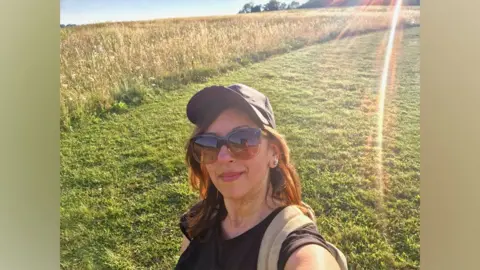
column 267, row 219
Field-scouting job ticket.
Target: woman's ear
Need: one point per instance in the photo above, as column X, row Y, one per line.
column 272, row 149
column 275, row 155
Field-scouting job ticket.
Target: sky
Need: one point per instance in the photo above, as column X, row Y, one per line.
column 95, row 11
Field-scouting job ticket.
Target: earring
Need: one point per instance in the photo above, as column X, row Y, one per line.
column 275, row 162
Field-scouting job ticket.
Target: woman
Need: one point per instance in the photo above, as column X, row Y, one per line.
column 241, row 167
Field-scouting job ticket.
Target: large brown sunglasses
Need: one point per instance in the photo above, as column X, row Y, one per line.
column 242, row 143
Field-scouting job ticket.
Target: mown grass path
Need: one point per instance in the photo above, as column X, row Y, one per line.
column 123, row 179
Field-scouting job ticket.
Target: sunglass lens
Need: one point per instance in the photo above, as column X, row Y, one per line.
column 205, row 149
column 244, row 143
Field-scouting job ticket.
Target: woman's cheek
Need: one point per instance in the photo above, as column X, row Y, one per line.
column 210, row 171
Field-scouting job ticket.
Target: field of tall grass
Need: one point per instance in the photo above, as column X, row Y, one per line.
column 107, row 66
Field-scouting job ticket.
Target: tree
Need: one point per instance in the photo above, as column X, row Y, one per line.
column 257, row 8
column 283, row 6
column 315, row 4
column 411, row 2
column 247, row 8
column 293, row 5
column 272, row 5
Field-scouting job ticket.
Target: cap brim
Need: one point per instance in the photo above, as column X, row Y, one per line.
column 205, row 106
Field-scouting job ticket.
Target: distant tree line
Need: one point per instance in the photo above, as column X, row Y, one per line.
column 347, row 3
column 67, row 25
column 273, row 5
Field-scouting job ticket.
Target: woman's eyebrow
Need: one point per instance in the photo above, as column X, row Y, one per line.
column 239, row 127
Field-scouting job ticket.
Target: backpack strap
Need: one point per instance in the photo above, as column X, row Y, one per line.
column 285, row 222
column 339, row 257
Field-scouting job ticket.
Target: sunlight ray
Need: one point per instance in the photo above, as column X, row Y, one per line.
column 381, row 97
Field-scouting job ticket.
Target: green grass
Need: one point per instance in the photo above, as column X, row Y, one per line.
column 123, row 178
column 402, row 160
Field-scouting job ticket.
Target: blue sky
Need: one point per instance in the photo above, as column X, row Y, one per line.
column 93, row 11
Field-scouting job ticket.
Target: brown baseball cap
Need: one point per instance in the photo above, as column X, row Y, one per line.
column 209, row 102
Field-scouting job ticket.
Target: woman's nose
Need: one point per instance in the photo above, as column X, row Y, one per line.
column 224, row 154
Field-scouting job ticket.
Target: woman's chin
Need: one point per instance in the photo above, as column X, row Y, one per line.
column 234, row 194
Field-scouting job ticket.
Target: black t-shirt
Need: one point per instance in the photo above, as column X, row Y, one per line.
column 241, row 252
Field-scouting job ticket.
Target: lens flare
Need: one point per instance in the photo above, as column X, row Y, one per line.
column 381, row 98
column 356, row 14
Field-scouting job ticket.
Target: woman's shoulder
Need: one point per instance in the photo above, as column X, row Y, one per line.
column 302, row 236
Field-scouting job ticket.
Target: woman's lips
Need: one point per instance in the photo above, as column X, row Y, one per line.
column 230, row 176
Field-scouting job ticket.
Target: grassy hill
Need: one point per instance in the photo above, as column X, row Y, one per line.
column 123, row 179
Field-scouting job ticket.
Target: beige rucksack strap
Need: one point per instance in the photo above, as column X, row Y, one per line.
column 339, row 257
column 285, row 222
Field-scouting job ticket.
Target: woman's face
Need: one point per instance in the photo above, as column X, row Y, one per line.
column 238, row 179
